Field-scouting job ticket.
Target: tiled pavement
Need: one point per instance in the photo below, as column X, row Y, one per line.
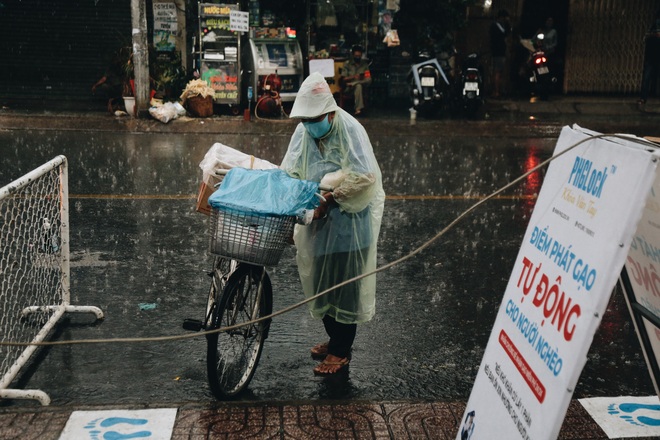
column 396, row 420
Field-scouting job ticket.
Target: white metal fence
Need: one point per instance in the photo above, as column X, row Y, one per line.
column 34, row 267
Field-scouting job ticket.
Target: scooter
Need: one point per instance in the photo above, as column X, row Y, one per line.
column 429, row 85
column 539, row 74
column 471, row 85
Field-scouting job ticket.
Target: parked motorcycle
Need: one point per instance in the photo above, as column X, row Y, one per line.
column 429, row 85
column 538, row 71
column 471, row 86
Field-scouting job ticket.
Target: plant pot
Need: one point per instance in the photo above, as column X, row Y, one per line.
column 129, row 103
column 199, row 106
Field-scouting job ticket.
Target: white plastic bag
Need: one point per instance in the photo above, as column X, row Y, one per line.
column 333, row 179
column 222, row 157
column 168, row 111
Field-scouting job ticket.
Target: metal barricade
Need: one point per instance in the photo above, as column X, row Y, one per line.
column 34, row 268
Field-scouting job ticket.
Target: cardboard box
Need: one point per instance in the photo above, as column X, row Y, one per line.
column 205, row 191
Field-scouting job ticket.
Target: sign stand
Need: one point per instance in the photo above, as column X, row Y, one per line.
column 577, row 241
column 640, row 279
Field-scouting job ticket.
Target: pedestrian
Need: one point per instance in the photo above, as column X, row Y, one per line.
column 651, row 59
column 330, row 145
column 112, row 84
column 499, row 31
column 355, row 78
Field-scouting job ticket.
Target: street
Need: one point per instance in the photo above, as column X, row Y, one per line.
column 139, row 252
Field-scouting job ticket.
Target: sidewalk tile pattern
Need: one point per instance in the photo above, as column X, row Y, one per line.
column 42, row 425
column 305, row 421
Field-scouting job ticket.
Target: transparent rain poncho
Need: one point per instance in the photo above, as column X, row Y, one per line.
column 343, row 244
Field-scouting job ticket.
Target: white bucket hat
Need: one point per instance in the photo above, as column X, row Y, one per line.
column 313, row 99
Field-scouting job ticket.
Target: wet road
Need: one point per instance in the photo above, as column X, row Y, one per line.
column 136, row 240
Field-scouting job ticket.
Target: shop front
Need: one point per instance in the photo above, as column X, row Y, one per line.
column 218, row 60
column 271, row 59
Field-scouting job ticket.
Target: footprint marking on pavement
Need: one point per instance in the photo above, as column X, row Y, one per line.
column 95, row 434
column 641, row 420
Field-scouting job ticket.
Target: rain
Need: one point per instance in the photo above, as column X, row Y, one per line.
column 139, row 252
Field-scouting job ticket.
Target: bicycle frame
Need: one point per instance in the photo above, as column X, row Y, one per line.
column 240, row 293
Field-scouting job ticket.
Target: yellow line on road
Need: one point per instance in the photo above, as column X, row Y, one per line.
column 134, row 196
column 458, row 197
column 389, row 197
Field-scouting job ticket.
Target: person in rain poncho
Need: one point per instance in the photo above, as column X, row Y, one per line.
column 330, row 146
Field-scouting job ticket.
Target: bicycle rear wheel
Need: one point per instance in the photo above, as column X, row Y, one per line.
column 233, row 355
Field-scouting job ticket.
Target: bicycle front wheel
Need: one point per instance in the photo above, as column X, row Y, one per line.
column 233, row 355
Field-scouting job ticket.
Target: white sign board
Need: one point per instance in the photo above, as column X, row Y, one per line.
column 165, row 16
column 165, row 26
column 568, row 264
column 239, row 21
column 325, row 67
column 643, row 272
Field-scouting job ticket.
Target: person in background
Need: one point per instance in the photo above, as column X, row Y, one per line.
column 111, row 84
column 549, row 37
column 355, row 78
column 500, row 29
column 330, row 146
column 651, row 59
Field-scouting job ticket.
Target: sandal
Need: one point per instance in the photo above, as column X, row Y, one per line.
column 319, row 351
column 331, row 367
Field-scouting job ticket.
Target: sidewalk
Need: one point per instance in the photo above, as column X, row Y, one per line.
column 301, row 420
column 540, row 117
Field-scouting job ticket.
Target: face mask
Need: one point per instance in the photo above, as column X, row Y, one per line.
column 318, row 129
column 357, row 60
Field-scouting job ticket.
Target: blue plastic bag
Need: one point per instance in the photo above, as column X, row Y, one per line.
column 270, row 192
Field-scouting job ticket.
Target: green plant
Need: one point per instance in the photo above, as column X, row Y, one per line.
column 124, row 60
column 169, row 76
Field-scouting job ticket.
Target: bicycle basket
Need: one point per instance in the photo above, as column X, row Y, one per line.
column 250, row 238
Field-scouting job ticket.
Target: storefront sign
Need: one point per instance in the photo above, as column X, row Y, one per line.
column 215, row 9
column 216, row 17
column 165, row 26
column 239, row 21
column 572, row 252
column 223, row 78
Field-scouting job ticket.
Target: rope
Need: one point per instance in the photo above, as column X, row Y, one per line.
column 343, row 283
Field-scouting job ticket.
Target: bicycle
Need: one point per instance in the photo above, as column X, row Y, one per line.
column 244, row 244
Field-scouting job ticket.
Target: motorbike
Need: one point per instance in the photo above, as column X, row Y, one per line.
column 429, row 85
column 471, row 87
column 538, row 71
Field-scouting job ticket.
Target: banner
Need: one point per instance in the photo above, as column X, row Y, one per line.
column 165, row 26
column 572, row 252
column 641, row 283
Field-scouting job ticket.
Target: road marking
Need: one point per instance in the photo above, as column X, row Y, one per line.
column 134, row 196
column 152, row 424
column 625, row 416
